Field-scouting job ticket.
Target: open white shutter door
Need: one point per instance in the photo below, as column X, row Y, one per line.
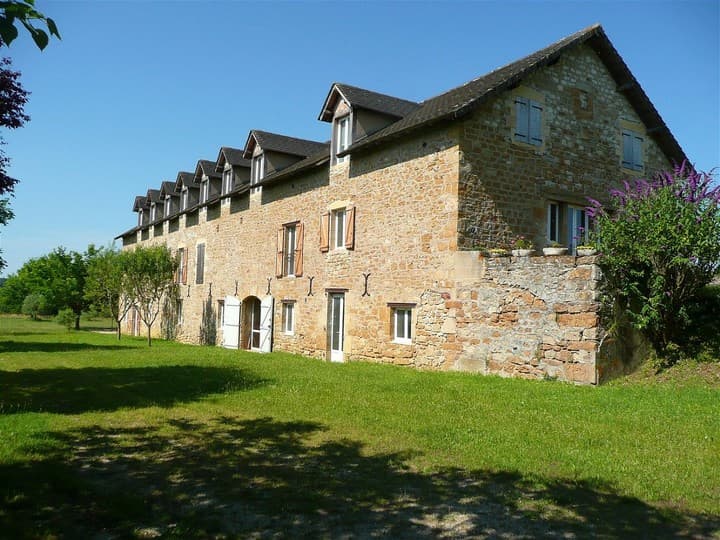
column 231, row 323
column 266, row 323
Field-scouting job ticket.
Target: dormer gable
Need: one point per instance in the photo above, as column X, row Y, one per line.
column 208, row 179
column 156, row 205
column 188, row 190
column 356, row 113
column 142, row 207
column 234, row 168
column 170, row 198
column 271, row 153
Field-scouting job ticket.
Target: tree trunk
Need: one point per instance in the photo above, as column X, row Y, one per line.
column 77, row 322
column 149, row 339
column 118, row 329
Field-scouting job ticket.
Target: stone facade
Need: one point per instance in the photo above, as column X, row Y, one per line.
column 424, row 206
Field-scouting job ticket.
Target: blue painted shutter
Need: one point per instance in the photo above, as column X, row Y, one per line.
column 637, row 143
column 535, row 123
column 627, row 149
column 522, row 115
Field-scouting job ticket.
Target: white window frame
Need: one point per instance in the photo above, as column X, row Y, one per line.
column 153, row 212
column 179, row 308
column 167, row 205
column 338, row 228
column 258, row 171
column 288, row 318
column 204, row 191
column 553, row 233
column 402, row 320
column 289, row 238
column 140, row 217
column 342, row 136
column 185, row 198
column 227, row 181
column 573, row 213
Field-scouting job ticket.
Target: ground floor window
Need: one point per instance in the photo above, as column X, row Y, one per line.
column 288, row 317
column 402, row 324
column 179, row 310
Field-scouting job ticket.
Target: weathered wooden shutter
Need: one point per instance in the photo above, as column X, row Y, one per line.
column 325, row 232
column 176, row 273
column 279, row 252
column 627, row 149
column 637, row 142
column 200, row 264
column 298, row 270
column 522, row 119
column 350, row 227
column 535, row 123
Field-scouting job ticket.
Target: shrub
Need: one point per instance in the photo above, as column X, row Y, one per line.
column 33, row 305
column 66, row 318
column 660, row 245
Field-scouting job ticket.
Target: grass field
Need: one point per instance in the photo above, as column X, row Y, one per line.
column 108, row 439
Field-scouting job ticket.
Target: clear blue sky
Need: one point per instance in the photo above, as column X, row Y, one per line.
column 137, row 91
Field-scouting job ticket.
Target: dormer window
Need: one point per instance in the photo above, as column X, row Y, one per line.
column 204, row 191
column 141, row 216
column 153, row 212
column 167, row 205
column 185, row 198
column 227, row 184
column 258, row 171
column 342, row 137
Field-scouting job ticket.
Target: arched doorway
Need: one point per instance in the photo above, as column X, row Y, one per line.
column 257, row 324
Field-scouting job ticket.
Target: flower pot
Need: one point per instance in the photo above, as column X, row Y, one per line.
column 522, row 252
column 586, row 252
column 498, row 254
column 551, row 251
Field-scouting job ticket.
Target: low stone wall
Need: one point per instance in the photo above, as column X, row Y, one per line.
column 530, row 317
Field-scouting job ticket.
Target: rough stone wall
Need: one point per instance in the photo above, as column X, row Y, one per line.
column 505, row 185
column 530, row 317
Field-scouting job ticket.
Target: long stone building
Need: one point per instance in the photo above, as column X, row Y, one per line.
column 373, row 246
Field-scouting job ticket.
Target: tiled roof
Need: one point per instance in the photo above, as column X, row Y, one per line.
column 140, row 202
column 187, row 179
column 283, row 144
column 461, row 101
column 168, row 188
column 153, row 195
column 296, row 168
column 367, row 99
column 208, row 168
column 233, row 156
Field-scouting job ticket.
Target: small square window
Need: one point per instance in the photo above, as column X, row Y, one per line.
column 288, row 318
column 528, row 121
column 402, row 325
column 342, row 137
column 632, row 150
column 553, row 222
column 179, row 310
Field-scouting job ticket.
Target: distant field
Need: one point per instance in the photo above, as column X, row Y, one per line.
column 108, row 439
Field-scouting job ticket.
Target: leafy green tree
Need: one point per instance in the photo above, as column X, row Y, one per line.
column 23, row 12
column 106, row 286
column 149, row 275
column 660, row 245
column 33, row 305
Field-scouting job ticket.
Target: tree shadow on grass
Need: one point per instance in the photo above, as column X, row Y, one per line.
column 263, row 478
column 74, row 391
column 10, row 346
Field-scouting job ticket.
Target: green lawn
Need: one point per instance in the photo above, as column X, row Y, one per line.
column 108, row 439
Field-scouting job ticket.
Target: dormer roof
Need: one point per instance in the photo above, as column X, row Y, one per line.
column 186, row 179
column 205, row 167
column 232, row 156
column 168, row 188
column 281, row 143
column 463, row 100
column 365, row 99
column 140, row 203
column 153, row 196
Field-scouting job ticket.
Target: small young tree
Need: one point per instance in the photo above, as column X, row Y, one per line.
column 33, row 305
column 660, row 244
column 149, row 273
column 105, row 286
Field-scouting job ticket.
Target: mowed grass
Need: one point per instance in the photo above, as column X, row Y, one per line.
column 100, row 438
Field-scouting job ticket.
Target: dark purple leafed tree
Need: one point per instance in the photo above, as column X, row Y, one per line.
column 660, row 245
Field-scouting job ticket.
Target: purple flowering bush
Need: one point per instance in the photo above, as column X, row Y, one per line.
column 660, row 245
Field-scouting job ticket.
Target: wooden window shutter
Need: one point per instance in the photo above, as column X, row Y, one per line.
column 298, row 270
column 176, row 273
column 637, row 142
column 200, row 264
column 184, row 268
column 350, row 227
column 325, row 232
column 627, row 149
column 522, row 119
column 535, row 123
column 279, row 252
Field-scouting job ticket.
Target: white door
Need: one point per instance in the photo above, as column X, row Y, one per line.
column 336, row 326
column 266, row 323
column 231, row 323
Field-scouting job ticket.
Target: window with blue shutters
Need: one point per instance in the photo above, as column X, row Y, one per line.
column 632, row 150
column 528, row 121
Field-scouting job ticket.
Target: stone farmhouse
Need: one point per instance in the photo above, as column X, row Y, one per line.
column 373, row 246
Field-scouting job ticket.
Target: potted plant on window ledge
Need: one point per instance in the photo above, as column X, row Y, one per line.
column 498, row 252
column 522, row 247
column 554, row 248
column 586, row 250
